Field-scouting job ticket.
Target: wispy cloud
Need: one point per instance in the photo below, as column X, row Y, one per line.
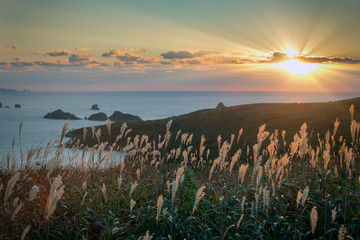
column 113, row 53
column 142, row 49
column 10, row 48
column 62, row 52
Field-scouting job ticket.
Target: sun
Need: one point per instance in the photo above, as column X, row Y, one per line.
column 297, row 67
column 291, row 52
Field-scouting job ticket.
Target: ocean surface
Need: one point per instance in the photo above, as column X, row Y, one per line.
column 147, row 105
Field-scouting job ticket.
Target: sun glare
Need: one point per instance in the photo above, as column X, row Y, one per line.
column 291, row 52
column 297, row 67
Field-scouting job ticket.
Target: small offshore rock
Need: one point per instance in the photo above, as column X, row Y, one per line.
column 95, row 107
column 220, row 105
column 17, row 106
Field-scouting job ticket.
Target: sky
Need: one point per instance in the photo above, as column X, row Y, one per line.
column 188, row 45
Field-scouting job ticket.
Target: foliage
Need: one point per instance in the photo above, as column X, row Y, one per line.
column 294, row 189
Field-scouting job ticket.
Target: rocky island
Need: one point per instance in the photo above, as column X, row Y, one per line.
column 59, row 114
column 95, row 107
column 98, row 117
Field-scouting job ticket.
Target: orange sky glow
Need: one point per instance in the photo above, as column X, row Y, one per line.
column 161, row 45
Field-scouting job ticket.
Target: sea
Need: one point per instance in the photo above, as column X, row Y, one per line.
column 146, row 105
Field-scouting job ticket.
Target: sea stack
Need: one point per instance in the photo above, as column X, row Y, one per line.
column 220, row 105
column 59, row 114
column 17, row 106
column 0, row 105
column 95, row 107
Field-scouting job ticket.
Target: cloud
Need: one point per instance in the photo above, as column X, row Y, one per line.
column 142, row 49
column 75, row 61
column 117, row 52
column 61, row 65
column 341, row 60
column 81, row 49
column 178, row 55
column 10, row 48
column 16, row 66
column 194, row 62
column 277, row 57
column 17, row 59
column 187, row 54
column 281, row 57
column 74, row 58
column 62, row 52
column 58, row 52
column 166, row 63
column 49, row 64
column 21, row 64
column 113, row 53
column 133, row 59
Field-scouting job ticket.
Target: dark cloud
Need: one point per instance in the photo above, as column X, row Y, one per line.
column 49, row 64
column 133, row 59
column 187, row 54
column 71, row 65
column 57, row 53
column 166, row 63
column 280, row 57
column 104, row 65
column 21, row 64
column 3, row 63
column 178, row 55
column 17, row 59
column 194, row 62
column 277, row 57
column 328, row 60
column 74, row 58
column 113, row 53
column 127, row 57
column 10, row 48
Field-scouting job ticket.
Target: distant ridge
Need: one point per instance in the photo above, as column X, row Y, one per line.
column 13, row 90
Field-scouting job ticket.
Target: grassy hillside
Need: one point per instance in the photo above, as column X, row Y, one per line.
column 302, row 190
column 319, row 118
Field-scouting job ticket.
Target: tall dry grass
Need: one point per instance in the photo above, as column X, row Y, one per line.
column 138, row 187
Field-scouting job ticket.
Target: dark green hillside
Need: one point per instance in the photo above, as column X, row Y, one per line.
column 319, row 118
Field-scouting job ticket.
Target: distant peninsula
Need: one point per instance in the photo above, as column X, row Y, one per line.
column 7, row 90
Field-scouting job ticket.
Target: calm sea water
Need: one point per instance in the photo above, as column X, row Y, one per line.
column 147, row 105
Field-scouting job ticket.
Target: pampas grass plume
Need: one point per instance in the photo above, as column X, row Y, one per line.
column 313, row 219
